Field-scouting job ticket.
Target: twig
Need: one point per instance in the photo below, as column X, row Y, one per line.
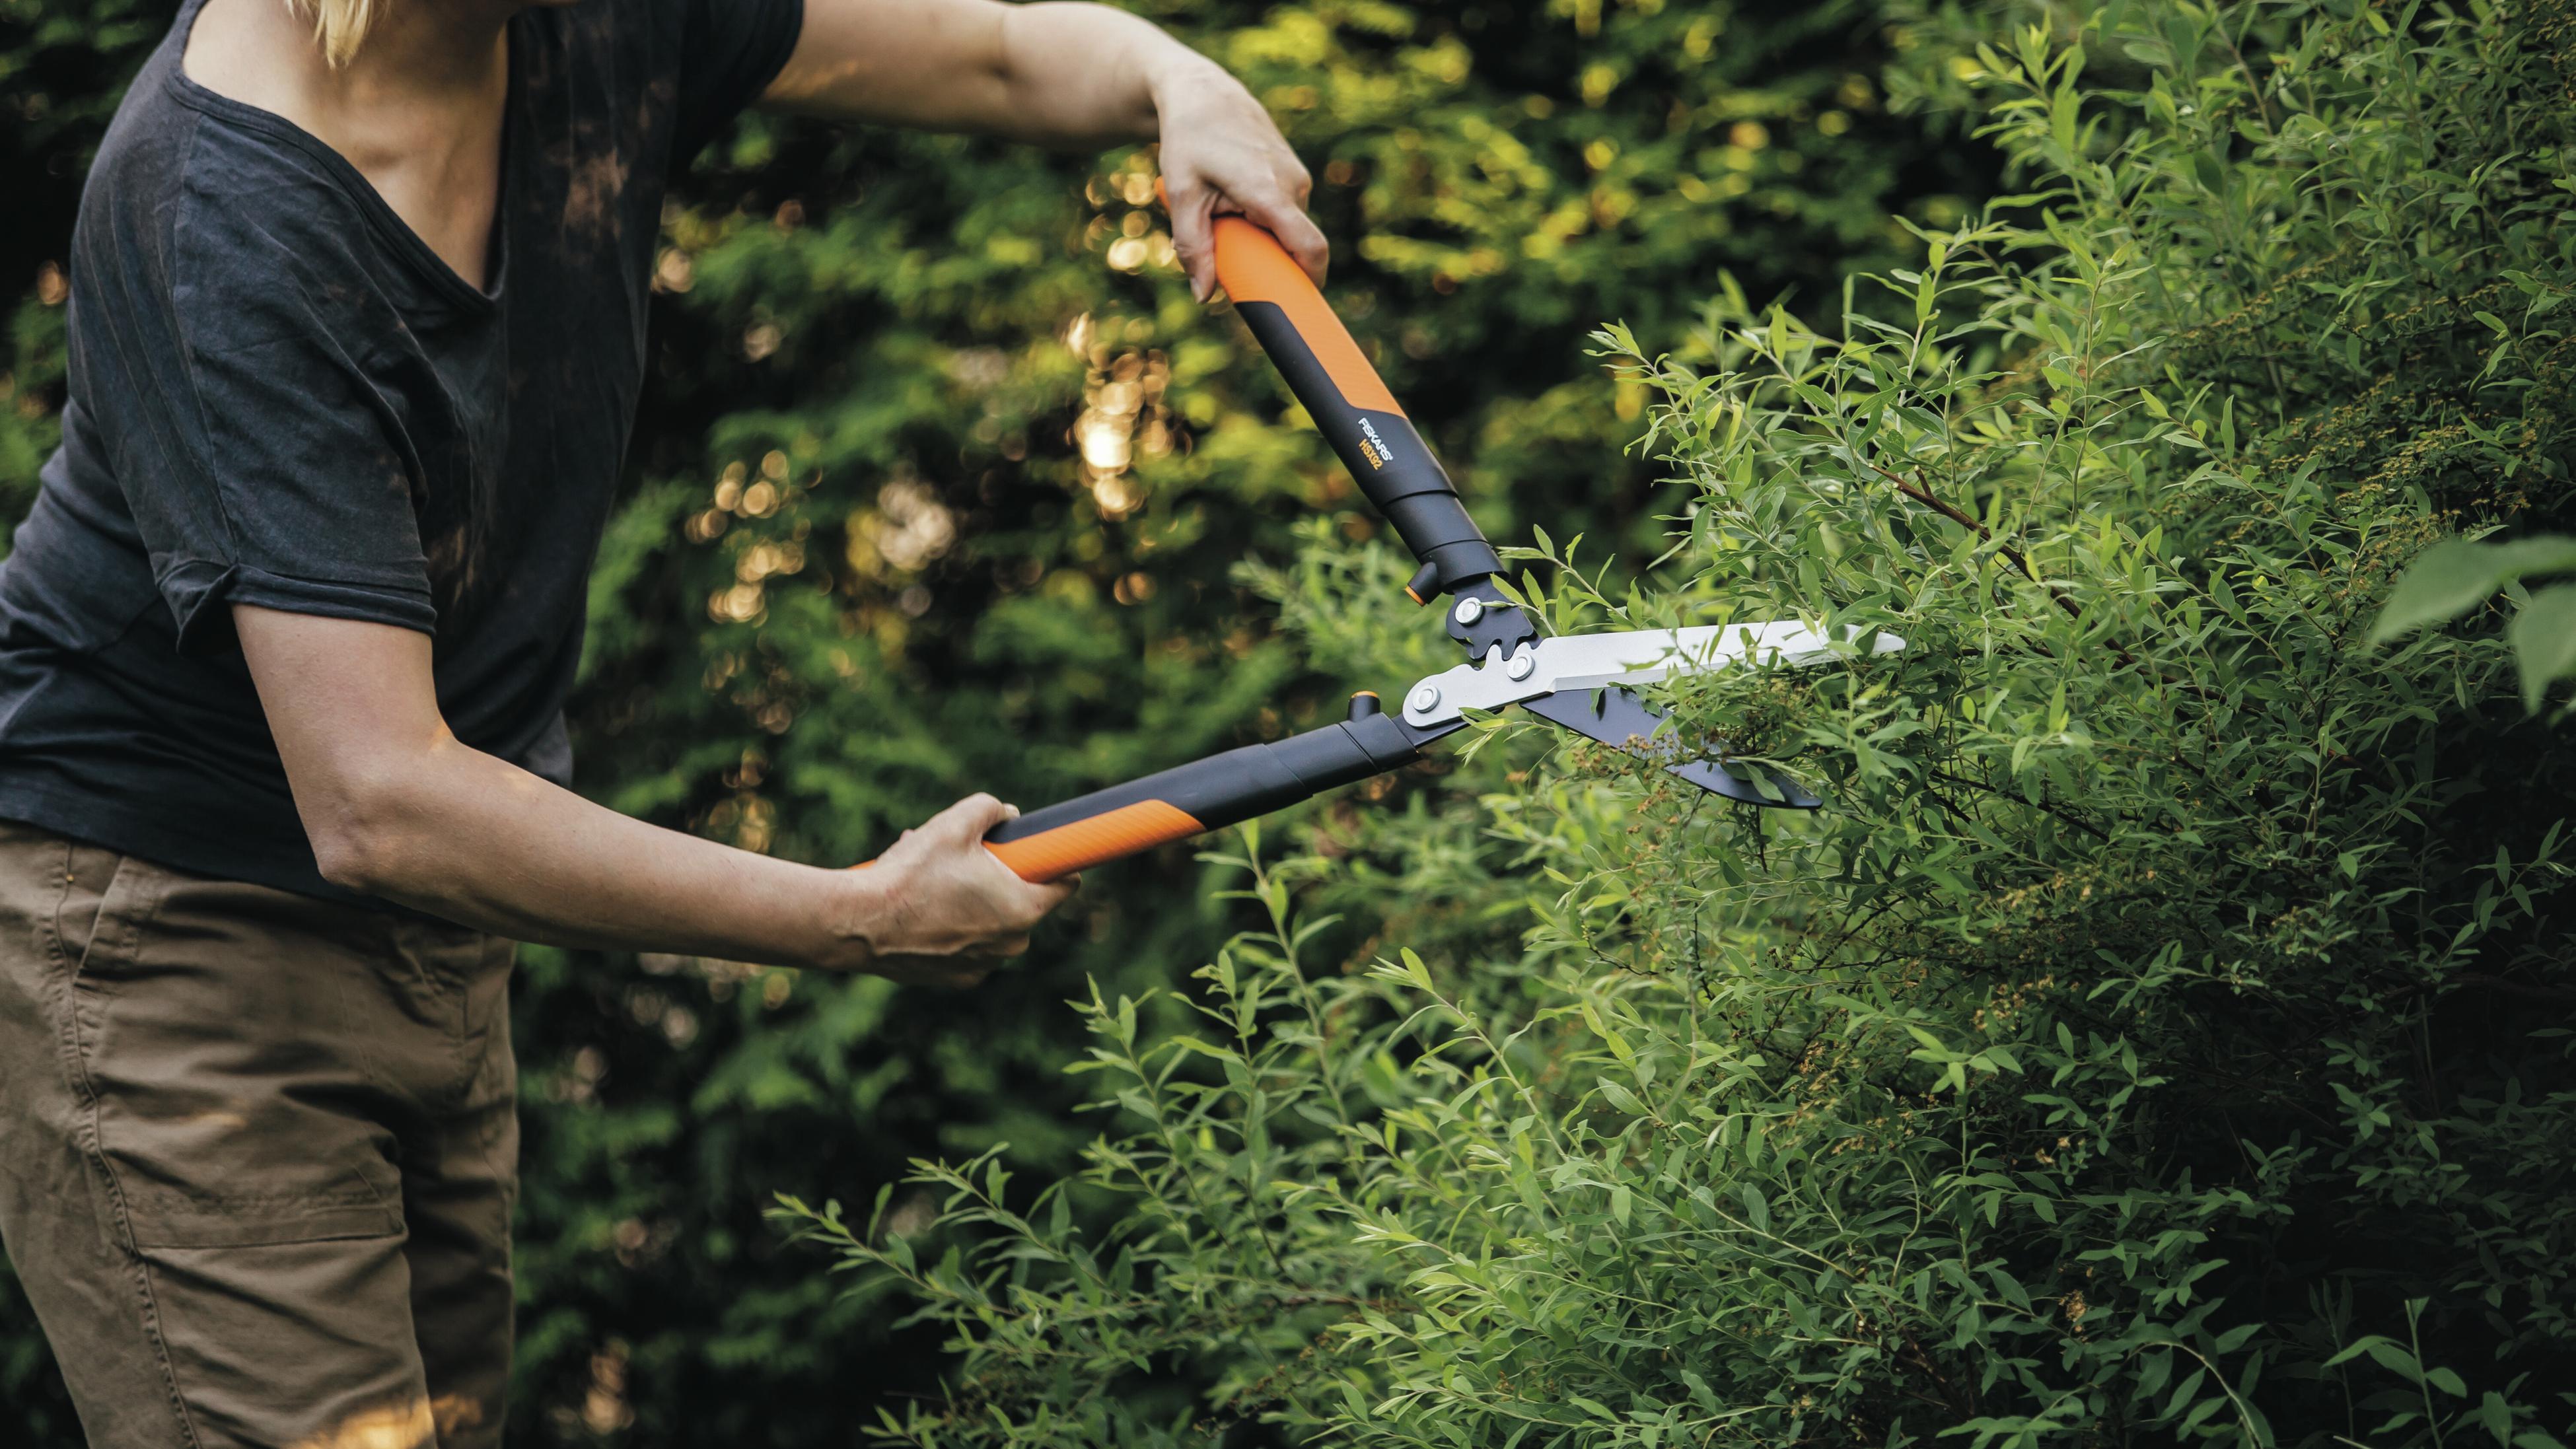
column 2040, row 805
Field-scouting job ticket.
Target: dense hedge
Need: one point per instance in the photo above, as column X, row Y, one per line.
column 864, row 567
column 2165, row 1035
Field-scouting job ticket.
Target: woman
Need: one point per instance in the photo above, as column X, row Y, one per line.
column 357, row 330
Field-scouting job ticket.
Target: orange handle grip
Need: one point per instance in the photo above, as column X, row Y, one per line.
column 1053, row 854
column 1254, row 267
column 1203, row 795
column 1352, row 407
column 1113, row 835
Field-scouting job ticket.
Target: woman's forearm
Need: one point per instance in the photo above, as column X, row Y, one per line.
column 1062, row 75
column 1057, row 74
column 1090, row 75
column 395, row 805
column 469, row 837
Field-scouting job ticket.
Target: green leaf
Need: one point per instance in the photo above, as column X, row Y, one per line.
column 2543, row 636
column 2445, row 581
column 1414, row 970
column 2455, row 575
column 2496, row 1416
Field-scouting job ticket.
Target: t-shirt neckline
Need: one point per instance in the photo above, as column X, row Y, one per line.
column 422, row 257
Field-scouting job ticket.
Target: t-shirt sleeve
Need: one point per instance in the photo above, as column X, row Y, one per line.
column 730, row 50
column 262, row 463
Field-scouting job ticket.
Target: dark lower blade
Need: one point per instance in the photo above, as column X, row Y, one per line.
column 1619, row 719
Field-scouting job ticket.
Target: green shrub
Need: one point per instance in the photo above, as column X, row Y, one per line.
column 2161, row 1038
column 912, row 325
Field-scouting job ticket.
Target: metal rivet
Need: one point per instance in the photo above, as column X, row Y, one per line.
column 1424, row 700
column 1522, row 665
column 1469, row 611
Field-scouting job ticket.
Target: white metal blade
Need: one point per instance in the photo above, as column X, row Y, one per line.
column 1641, row 656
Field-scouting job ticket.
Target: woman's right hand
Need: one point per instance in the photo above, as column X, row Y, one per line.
column 939, row 909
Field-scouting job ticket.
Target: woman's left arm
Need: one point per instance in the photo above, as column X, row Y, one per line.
column 1072, row 75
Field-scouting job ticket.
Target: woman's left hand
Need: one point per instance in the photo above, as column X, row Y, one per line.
column 1222, row 153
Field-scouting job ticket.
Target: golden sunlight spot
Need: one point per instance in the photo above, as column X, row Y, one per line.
column 1077, row 336
column 1103, row 438
column 455, row 1411
column 1118, row 397
column 757, row 822
column 1122, row 404
column 739, row 604
column 1751, row 135
column 1116, row 495
column 673, row 272
column 773, row 466
column 760, row 499
column 1134, row 588
column 1834, row 123
column 604, row 1409
column 1128, row 253
column 908, row 528
column 766, row 560
column 402, row 1426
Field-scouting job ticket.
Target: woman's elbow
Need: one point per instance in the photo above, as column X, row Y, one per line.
column 366, row 837
column 352, row 861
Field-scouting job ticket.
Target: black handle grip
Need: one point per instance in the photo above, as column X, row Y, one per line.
column 1202, row 795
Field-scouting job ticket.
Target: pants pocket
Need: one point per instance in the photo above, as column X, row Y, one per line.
column 222, row 1036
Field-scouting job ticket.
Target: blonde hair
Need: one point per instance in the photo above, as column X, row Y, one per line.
column 339, row 26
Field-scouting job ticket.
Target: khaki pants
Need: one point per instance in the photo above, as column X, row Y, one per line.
column 257, row 1157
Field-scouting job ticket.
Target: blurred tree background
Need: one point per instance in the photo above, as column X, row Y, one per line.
column 944, row 484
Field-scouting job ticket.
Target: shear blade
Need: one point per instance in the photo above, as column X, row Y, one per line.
column 1619, row 719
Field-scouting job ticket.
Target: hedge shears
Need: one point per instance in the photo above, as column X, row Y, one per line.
column 1581, row 682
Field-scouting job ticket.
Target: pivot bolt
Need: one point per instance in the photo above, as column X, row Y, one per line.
column 1522, row 665
column 1425, row 699
column 1469, row 610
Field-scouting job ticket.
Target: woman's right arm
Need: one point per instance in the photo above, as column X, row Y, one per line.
column 396, row 806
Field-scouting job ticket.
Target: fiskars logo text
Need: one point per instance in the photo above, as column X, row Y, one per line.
column 1372, row 447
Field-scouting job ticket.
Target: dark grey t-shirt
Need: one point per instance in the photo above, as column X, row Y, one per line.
column 280, row 396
